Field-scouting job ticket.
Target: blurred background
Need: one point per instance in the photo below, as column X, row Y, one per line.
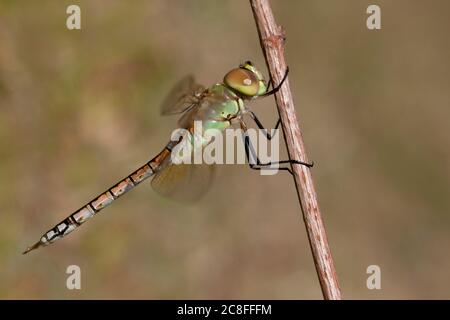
column 79, row 110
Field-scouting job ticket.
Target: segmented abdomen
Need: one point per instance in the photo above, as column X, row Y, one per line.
column 103, row 200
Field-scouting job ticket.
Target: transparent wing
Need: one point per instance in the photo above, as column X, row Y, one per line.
column 201, row 109
column 184, row 182
column 182, row 96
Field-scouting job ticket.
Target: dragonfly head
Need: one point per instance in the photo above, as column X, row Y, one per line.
column 246, row 81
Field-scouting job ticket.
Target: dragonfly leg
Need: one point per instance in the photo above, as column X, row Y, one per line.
column 275, row 89
column 270, row 83
column 261, row 126
column 260, row 166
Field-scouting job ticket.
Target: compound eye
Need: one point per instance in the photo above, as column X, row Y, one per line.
column 243, row 81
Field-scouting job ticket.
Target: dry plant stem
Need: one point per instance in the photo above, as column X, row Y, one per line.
column 272, row 41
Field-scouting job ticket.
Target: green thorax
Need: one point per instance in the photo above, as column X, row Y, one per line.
column 218, row 107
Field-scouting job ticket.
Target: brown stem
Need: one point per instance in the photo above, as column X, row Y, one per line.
column 272, row 42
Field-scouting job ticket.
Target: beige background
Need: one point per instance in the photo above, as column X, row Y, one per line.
column 80, row 110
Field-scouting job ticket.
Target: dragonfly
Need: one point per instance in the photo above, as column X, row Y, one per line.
column 220, row 106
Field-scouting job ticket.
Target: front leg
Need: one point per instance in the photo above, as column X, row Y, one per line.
column 275, row 89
